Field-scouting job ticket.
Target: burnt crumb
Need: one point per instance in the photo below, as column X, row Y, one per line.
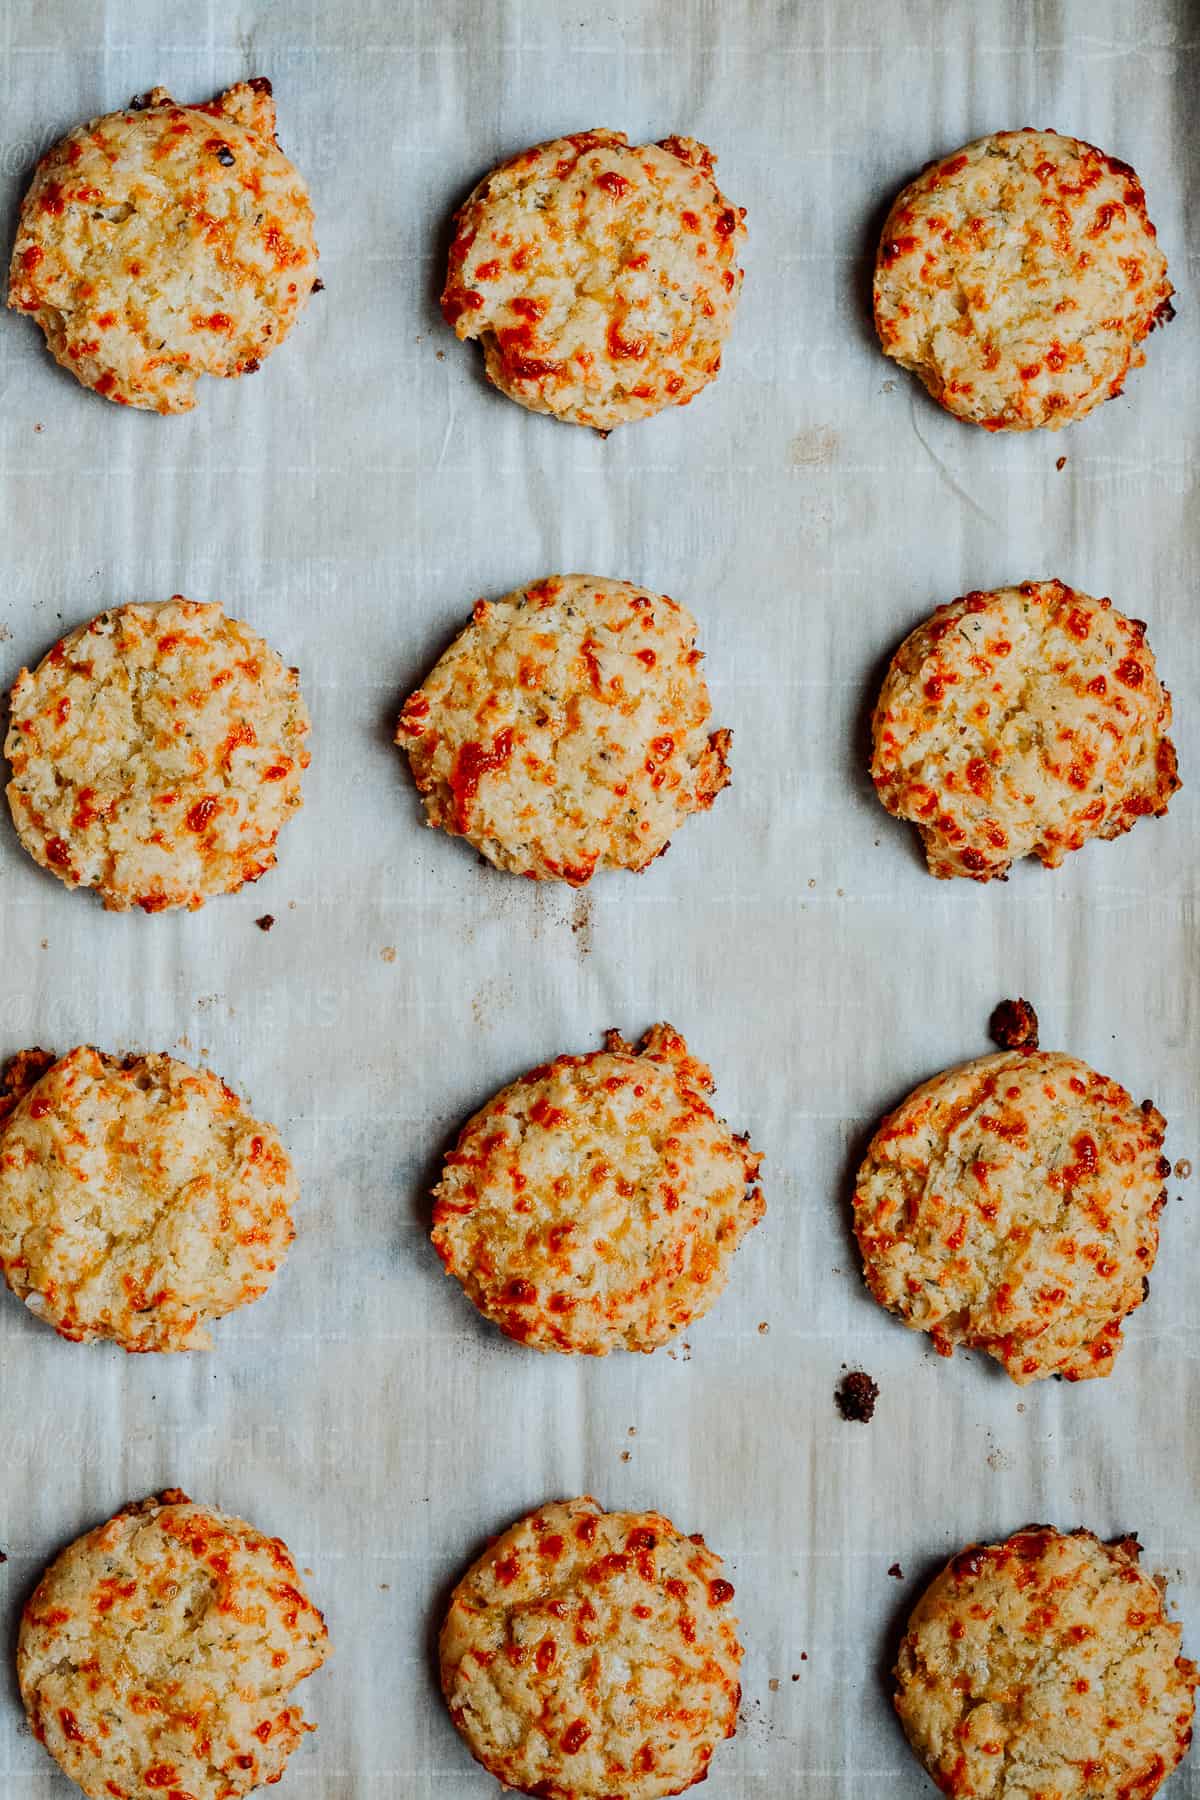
column 266, row 922
column 140, row 102
column 896, row 1572
column 856, row 1396
column 3, row 1558
column 19, row 1075
column 1014, row 1025
column 318, row 286
column 260, row 84
column 1061, row 463
column 224, row 156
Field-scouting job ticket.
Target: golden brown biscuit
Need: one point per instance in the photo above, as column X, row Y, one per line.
column 1018, row 278
column 601, row 277
column 189, row 1200
column 1022, row 722
column 591, row 1654
column 566, row 729
column 596, row 1203
column 165, row 242
column 156, row 753
column 1011, row 1206
column 158, row 1655
column 1045, row 1665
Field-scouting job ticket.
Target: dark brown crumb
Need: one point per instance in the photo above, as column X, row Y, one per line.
column 856, row 1396
column 318, row 286
column 19, row 1075
column 1061, row 463
column 896, row 1572
column 3, row 1558
column 266, row 922
column 1014, row 1025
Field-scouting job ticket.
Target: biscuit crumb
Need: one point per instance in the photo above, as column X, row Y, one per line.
column 1061, row 463
column 773, row 1684
column 581, row 923
column 626, row 1455
column 1014, row 1025
column 856, row 1396
column 388, row 953
column 763, row 1328
column 1183, row 1169
column 266, row 922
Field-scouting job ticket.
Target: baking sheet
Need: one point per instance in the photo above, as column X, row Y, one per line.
column 351, row 501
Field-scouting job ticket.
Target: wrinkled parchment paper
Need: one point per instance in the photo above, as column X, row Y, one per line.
column 351, row 501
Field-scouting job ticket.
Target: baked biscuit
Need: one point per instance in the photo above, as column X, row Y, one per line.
column 593, row 1654
column 596, row 1203
column 1045, row 1665
column 600, row 276
column 156, row 752
column 1022, row 722
column 566, row 729
column 1018, row 278
column 1011, row 1206
column 159, row 1653
column 166, row 242
column 189, row 1200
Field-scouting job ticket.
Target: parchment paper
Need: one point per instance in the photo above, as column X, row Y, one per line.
column 351, row 501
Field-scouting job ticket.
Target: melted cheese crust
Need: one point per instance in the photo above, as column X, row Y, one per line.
column 165, row 242
column 1045, row 1665
column 156, row 753
column 593, row 1654
column 1018, row 277
column 565, row 730
column 1011, row 1205
column 159, row 1653
column 597, row 1202
column 139, row 1201
column 601, row 277
column 1022, row 722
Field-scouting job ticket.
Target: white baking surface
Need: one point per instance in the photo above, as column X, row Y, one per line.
column 350, row 502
